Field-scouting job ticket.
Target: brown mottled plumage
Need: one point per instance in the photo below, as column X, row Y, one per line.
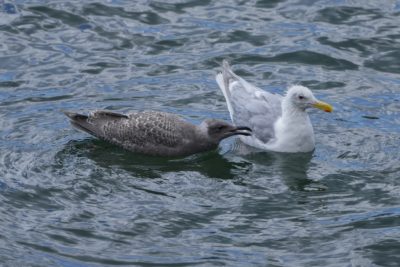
column 155, row 133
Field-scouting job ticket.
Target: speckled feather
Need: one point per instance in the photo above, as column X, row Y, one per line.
column 149, row 132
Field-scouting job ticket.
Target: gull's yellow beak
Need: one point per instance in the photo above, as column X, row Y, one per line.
column 324, row 106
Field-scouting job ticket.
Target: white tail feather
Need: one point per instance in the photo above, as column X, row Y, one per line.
column 220, row 81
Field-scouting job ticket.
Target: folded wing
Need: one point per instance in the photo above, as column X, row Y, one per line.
column 142, row 131
column 249, row 105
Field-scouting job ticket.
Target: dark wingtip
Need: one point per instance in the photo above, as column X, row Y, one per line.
column 225, row 64
column 69, row 114
column 73, row 115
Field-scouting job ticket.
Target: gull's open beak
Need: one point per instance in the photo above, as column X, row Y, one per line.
column 323, row 106
column 241, row 130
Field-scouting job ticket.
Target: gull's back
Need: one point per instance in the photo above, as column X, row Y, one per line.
column 249, row 105
column 148, row 132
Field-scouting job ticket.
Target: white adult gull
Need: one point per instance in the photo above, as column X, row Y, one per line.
column 278, row 123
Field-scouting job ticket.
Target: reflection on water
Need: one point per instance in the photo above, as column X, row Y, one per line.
column 294, row 169
column 291, row 167
column 210, row 164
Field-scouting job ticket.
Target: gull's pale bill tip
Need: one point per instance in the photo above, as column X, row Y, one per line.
column 323, row 106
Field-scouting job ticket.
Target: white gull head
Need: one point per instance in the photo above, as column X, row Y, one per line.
column 299, row 98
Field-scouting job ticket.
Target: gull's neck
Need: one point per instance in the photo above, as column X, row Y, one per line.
column 294, row 132
column 290, row 111
column 201, row 133
column 202, row 130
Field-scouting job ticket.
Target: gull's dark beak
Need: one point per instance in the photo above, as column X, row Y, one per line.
column 241, row 130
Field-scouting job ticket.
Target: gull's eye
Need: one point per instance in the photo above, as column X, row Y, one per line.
column 301, row 97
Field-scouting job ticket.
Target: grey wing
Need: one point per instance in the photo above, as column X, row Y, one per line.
column 259, row 112
column 139, row 131
column 249, row 105
column 95, row 122
column 145, row 130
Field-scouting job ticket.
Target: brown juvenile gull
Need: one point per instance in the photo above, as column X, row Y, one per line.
column 155, row 133
column 279, row 123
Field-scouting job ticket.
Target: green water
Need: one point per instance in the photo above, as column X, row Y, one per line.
column 69, row 200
